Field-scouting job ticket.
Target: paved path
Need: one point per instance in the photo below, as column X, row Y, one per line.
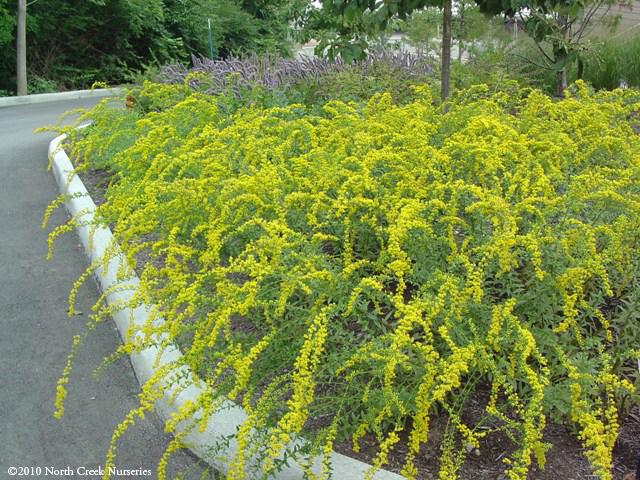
column 35, row 333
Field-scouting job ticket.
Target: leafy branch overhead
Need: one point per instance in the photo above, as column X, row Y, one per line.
column 558, row 27
column 356, row 20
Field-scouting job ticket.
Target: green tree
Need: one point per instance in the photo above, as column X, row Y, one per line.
column 237, row 26
column 75, row 42
column 468, row 25
column 7, row 24
column 558, row 28
column 233, row 28
column 354, row 21
column 423, row 27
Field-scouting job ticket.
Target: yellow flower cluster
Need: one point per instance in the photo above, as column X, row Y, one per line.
column 386, row 261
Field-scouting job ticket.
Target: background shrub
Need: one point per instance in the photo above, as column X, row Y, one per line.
column 76, row 42
column 607, row 64
column 615, row 61
column 312, row 81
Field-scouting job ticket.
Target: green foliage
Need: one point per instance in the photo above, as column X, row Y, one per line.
column 149, row 72
column 491, row 67
column 7, row 28
column 358, row 83
column 606, row 64
column 76, row 42
column 351, row 85
column 370, row 264
column 557, row 27
column 521, row 60
column 269, row 81
column 469, row 27
column 355, row 21
column 41, row 85
column 238, row 27
column 422, row 28
column 468, row 24
column 614, row 61
column 7, row 24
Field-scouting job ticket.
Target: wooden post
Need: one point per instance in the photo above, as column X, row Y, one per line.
column 21, row 48
column 446, row 49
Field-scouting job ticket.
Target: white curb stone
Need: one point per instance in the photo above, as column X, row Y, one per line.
column 225, row 422
column 55, row 97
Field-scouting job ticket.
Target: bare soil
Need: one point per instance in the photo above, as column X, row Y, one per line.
column 565, row 460
column 96, row 183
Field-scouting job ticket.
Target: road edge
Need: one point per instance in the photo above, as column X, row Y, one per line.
column 57, row 97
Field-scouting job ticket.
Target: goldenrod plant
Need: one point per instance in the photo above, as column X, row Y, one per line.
column 358, row 269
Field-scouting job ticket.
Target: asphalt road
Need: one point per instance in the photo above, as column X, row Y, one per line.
column 36, row 333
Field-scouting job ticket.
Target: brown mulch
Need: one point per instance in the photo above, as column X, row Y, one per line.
column 96, row 183
column 564, row 461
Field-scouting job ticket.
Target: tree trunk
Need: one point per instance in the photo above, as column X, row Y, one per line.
column 21, row 48
column 559, row 52
column 446, row 50
column 460, row 50
column 561, row 82
column 580, row 68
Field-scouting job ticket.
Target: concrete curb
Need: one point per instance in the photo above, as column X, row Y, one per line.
column 225, row 421
column 55, row 97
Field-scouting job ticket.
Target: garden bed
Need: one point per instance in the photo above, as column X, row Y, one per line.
column 565, row 459
column 393, row 279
